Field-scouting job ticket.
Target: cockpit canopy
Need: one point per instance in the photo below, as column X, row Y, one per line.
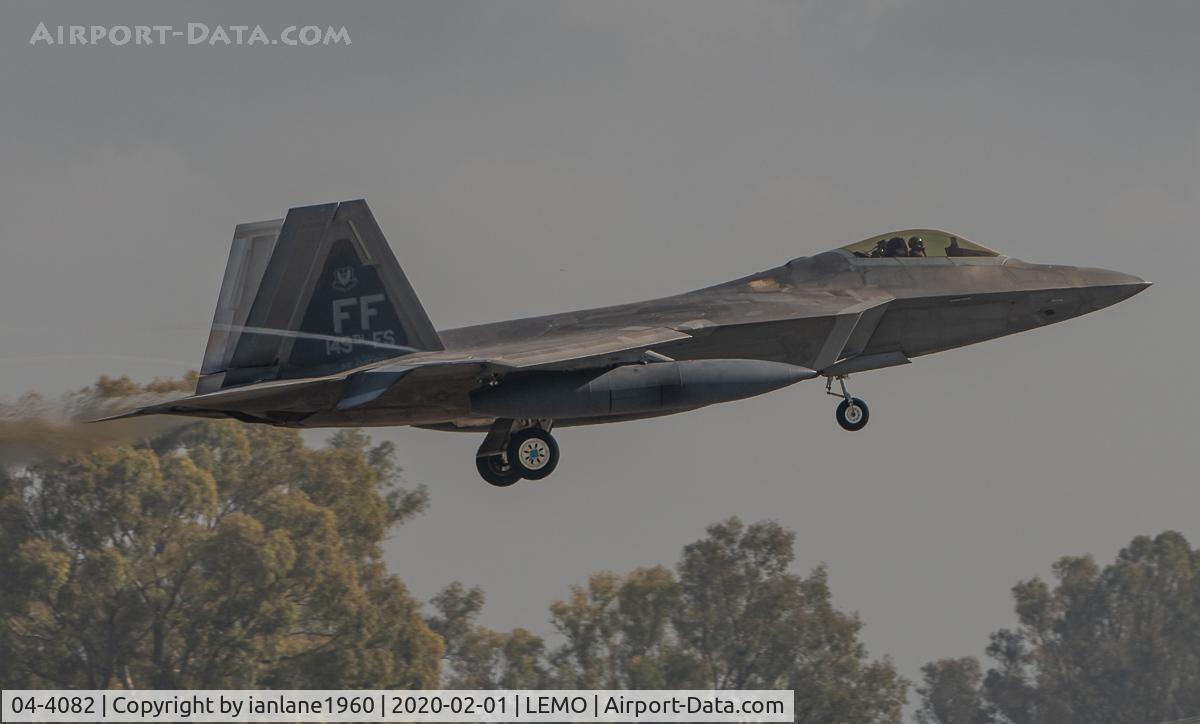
column 917, row 243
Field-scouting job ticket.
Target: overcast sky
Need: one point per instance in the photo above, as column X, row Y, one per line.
column 531, row 157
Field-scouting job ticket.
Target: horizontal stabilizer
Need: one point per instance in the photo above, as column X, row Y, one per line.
column 274, row 395
column 123, row 415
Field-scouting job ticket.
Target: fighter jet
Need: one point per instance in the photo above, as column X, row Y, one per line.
column 317, row 326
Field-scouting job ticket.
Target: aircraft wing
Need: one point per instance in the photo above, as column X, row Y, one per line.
column 419, row 377
column 591, row 348
column 408, row 378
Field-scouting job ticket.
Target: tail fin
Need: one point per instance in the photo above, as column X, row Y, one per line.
column 317, row 292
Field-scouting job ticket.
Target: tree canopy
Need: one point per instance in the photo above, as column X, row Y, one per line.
column 732, row 615
column 1116, row 644
column 217, row 555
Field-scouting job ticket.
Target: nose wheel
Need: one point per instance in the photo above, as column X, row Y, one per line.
column 506, row 456
column 852, row 413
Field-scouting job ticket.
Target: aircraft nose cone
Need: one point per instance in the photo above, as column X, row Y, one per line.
column 1109, row 278
column 1108, row 287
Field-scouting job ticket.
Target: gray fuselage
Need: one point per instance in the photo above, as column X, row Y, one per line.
column 791, row 313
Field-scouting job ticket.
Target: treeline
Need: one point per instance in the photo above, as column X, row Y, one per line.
column 222, row 555
column 1118, row 643
column 732, row 616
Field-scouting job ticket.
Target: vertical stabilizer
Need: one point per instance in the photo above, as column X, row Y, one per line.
column 315, row 293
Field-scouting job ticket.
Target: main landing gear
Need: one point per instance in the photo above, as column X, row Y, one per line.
column 852, row 413
column 496, row 470
column 512, row 451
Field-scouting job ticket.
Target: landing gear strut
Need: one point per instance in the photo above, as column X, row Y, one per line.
column 852, row 413
column 517, row 449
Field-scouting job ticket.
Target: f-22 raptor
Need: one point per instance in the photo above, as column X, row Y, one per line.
column 317, row 326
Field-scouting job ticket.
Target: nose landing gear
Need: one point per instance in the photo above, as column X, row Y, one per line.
column 852, row 413
column 517, row 449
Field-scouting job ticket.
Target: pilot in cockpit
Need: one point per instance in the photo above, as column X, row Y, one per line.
column 896, row 247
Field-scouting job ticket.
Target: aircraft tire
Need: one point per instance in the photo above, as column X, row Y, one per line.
column 853, row 414
column 496, row 471
column 534, row 453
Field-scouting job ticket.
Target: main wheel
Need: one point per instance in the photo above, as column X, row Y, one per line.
column 853, row 414
column 533, row 453
column 496, row 470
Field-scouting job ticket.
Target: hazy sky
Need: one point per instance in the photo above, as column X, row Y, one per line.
column 529, row 157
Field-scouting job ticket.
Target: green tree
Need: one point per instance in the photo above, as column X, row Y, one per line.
column 618, row 633
column 950, row 693
column 733, row 617
column 216, row 555
column 1114, row 644
column 478, row 657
